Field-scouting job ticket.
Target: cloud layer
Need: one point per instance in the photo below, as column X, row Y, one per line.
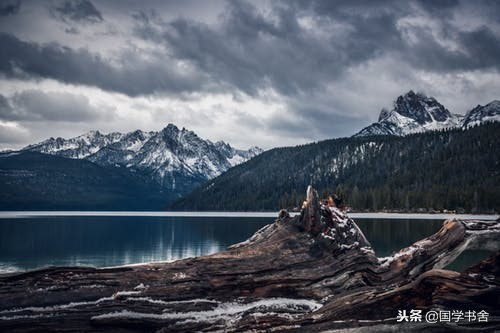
column 35, row 105
column 9, row 7
column 316, row 69
column 78, row 11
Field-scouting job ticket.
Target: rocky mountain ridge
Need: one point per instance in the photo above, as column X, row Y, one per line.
column 173, row 157
column 416, row 112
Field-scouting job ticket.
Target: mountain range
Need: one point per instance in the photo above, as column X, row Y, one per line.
column 177, row 159
column 416, row 113
column 153, row 169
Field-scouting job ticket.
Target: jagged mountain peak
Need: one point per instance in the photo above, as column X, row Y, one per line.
column 256, row 148
column 481, row 114
column 93, row 133
column 411, row 95
column 222, row 144
column 171, row 128
column 421, row 108
column 173, row 132
column 411, row 113
column 491, row 107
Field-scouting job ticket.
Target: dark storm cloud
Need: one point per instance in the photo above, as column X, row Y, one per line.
column 34, row 106
column 480, row 50
column 9, row 7
column 252, row 50
column 442, row 6
column 476, row 49
column 135, row 76
column 483, row 47
column 293, row 47
column 77, row 10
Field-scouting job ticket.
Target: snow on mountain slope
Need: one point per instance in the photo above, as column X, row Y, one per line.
column 412, row 113
column 481, row 114
column 174, row 157
column 78, row 147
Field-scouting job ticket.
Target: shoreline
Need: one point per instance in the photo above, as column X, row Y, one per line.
column 371, row 215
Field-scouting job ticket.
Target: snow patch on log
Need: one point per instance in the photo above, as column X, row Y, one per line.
column 71, row 305
column 228, row 312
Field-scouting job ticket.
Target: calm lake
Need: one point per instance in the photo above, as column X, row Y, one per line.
column 28, row 242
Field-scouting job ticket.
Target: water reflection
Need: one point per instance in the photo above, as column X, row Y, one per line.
column 27, row 243
column 109, row 241
column 389, row 235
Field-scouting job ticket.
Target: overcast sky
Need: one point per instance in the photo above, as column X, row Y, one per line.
column 266, row 73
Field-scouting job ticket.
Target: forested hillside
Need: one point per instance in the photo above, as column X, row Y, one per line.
column 453, row 169
column 34, row 181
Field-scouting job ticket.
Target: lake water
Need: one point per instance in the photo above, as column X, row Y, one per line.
column 28, row 242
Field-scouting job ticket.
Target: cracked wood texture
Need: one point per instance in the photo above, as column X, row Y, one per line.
column 312, row 272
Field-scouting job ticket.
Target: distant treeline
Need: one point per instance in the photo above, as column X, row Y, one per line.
column 452, row 169
column 34, row 181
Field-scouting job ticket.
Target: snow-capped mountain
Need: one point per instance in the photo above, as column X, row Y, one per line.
column 78, row 147
column 481, row 114
column 412, row 113
column 176, row 158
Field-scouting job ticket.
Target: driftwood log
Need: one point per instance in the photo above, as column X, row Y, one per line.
column 312, row 272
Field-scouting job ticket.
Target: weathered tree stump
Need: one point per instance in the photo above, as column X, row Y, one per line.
column 312, row 272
